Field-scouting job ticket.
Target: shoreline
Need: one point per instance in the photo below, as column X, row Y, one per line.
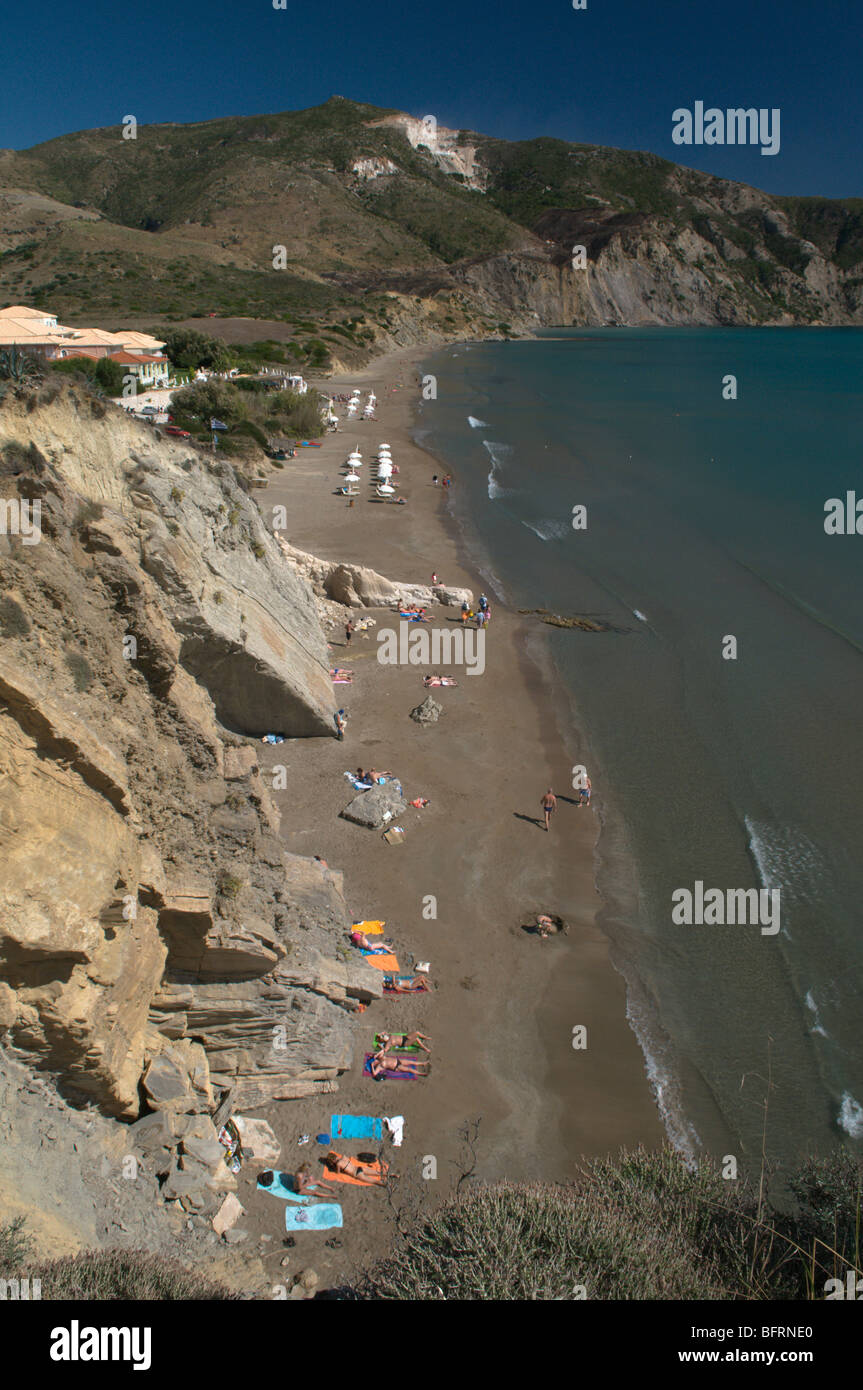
column 498, row 1054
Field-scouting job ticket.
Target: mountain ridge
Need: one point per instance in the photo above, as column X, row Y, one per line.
column 419, row 229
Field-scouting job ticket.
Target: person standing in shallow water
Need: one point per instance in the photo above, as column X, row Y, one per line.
column 548, row 803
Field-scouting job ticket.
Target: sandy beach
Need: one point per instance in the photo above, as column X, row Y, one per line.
column 504, row 1004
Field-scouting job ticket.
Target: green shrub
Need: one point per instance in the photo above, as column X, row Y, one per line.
column 81, row 671
column 230, row 886
column 115, row 1276
column 13, row 620
column 640, row 1226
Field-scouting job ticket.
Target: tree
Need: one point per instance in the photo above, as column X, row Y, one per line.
column 206, row 398
column 109, row 375
column 187, row 348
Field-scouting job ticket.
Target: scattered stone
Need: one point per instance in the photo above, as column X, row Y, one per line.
column 228, row 1215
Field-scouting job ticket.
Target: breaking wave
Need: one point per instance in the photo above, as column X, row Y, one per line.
column 548, row 530
column 476, row 424
column 498, row 453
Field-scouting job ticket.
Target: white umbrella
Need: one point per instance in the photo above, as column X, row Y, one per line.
column 385, row 487
column 384, row 469
column 352, row 477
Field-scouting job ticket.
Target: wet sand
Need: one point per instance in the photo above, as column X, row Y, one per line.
column 504, row 1004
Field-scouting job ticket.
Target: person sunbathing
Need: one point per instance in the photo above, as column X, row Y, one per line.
column 381, row 1063
column 388, row 1040
column 341, row 1163
column 377, row 948
column 306, row 1182
column 303, row 1182
column 406, row 984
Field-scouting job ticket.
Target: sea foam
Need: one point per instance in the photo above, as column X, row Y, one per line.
column 498, row 453
column 476, row 424
column 850, row 1117
column 548, row 530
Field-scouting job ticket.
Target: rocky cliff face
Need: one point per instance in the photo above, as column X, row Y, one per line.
column 153, row 931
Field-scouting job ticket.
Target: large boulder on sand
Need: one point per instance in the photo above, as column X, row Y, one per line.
column 376, row 808
column 429, row 712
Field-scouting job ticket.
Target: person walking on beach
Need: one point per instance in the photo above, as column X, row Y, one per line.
column 465, row 611
column 434, row 479
column 548, row 803
column 584, row 793
column 341, row 724
column 349, row 632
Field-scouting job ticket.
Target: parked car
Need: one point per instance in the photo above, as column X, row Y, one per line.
column 177, row 432
column 150, row 410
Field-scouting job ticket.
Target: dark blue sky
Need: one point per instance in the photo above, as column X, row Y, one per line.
column 611, row 74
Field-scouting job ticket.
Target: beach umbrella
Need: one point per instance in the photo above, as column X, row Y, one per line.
column 385, row 487
column 385, row 470
column 352, row 477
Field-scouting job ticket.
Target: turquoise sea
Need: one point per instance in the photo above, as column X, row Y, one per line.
column 705, row 520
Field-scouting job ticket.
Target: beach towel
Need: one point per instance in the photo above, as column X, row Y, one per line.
column 401, row 984
column 381, row 960
column 370, row 928
column 342, row 680
column 387, row 1075
column 396, row 1126
column 356, row 1127
column 280, row 1187
column 375, row 1174
column 395, row 836
column 357, row 785
column 317, row 1218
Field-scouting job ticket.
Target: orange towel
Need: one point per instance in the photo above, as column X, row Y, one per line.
column 370, row 928
column 377, row 1173
column 386, row 962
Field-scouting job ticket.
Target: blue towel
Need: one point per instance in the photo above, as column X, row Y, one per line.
column 319, row 1218
column 280, row 1188
column 355, row 1127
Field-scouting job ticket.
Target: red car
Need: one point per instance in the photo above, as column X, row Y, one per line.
column 177, row 432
